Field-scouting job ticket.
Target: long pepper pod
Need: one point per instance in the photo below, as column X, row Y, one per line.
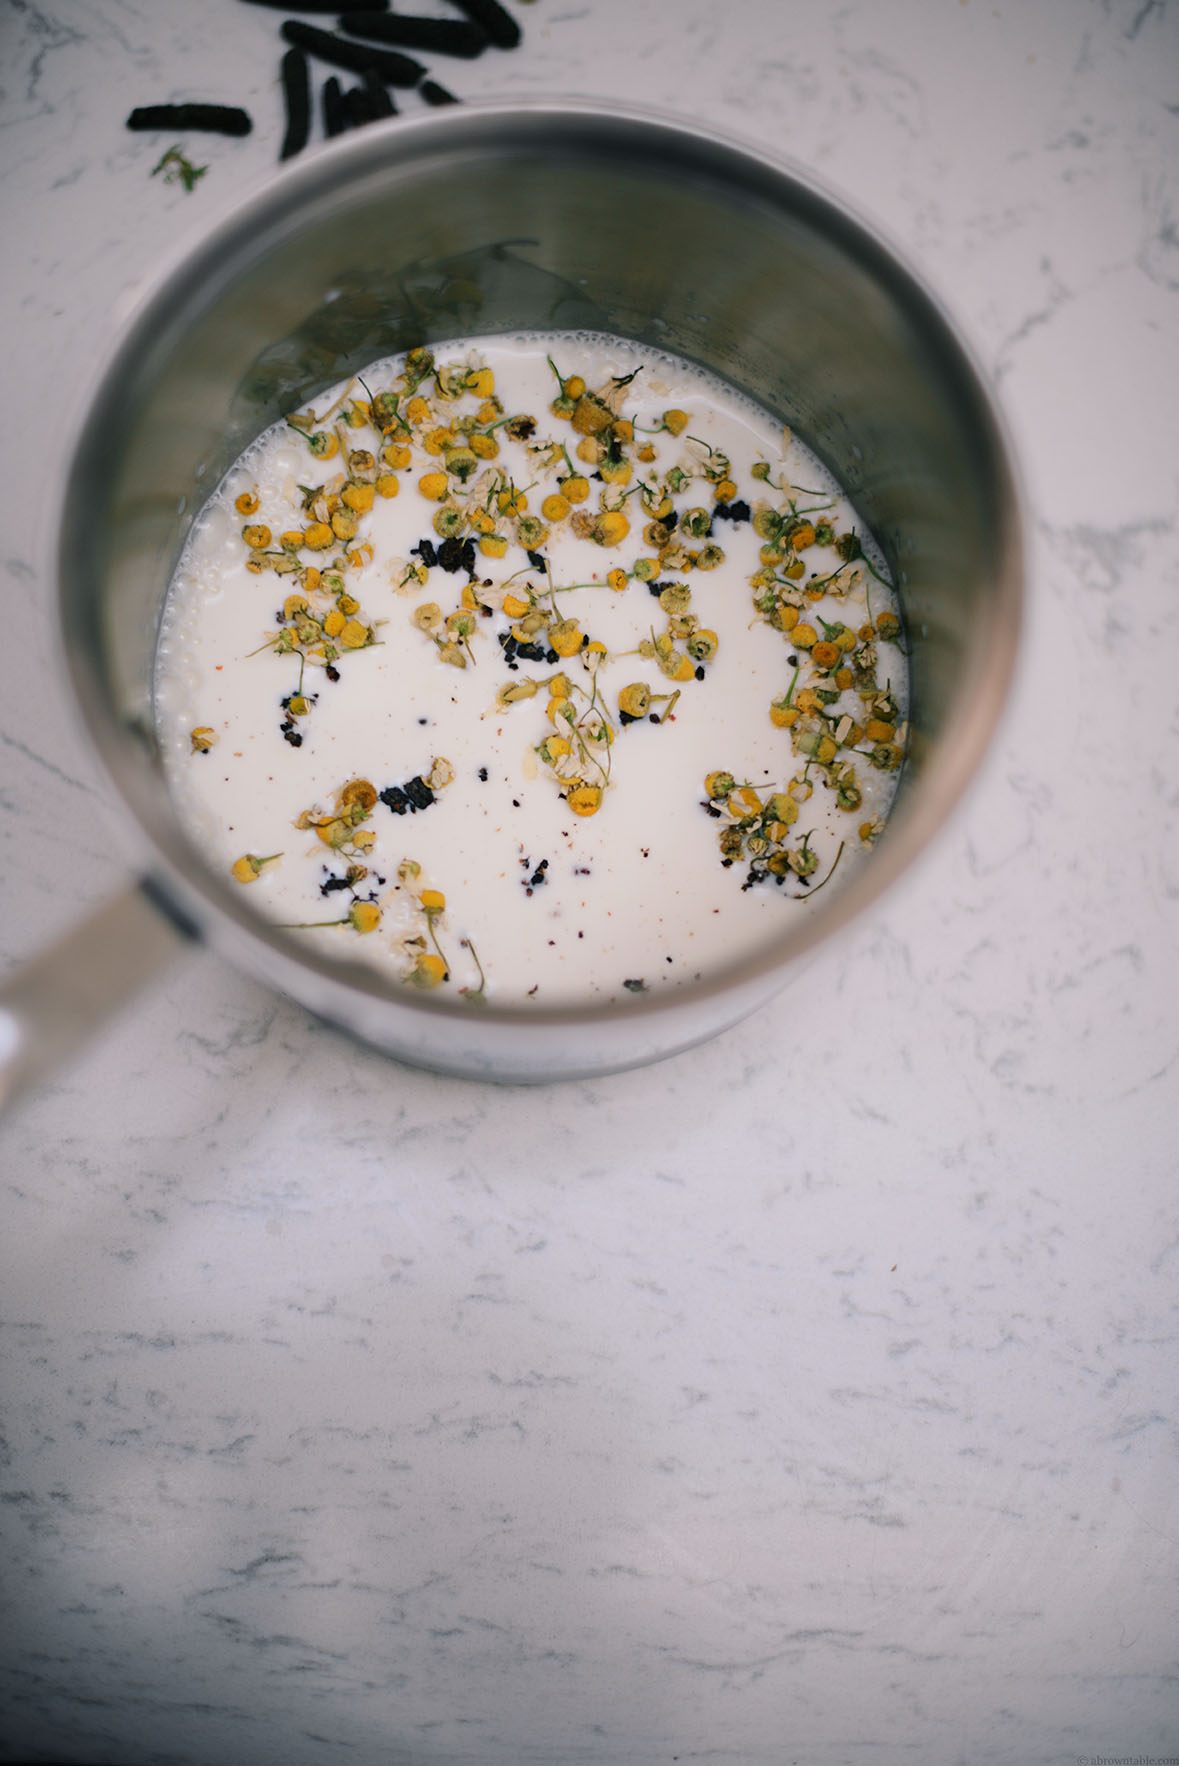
column 218, row 119
column 491, row 17
column 335, row 117
column 439, row 36
column 322, row 5
column 392, row 67
column 296, row 89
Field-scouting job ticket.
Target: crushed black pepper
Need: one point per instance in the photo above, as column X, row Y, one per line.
column 415, row 794
column 454, row 554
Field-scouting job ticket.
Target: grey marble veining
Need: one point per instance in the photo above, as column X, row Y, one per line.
column 808, row 1398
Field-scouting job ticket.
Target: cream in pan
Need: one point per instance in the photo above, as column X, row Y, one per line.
column 535, row 669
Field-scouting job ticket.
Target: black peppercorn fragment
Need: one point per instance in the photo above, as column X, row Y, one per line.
column 491, row 17
column 453, row 554
column 217, row 119
column 406, row 799
column 418, row 792
column 441, row 36
column 450, row 555
column 391, row 66
column 435, row 94
column 296, row 91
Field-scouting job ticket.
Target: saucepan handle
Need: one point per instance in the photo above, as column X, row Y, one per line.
column 61, row 997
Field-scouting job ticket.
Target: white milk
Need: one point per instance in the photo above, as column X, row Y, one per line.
column 550, row 905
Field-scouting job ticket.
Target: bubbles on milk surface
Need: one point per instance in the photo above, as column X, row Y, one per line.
column 534, row 669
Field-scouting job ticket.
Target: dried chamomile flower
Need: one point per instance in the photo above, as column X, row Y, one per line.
column 358, row 797
column 362, row 916
column 512, row 692
column 566, row 637
column 440, row 775
column 584, row 800
column 248, row 868
column 429, row 970
column 702, row 644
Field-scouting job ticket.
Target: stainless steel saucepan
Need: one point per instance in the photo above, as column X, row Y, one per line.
column 494, row 219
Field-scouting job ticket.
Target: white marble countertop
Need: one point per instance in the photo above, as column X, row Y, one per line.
column 808, row 1398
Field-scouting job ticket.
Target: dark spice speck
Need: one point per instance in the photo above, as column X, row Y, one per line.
column 415, row 794
column 418, row 792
